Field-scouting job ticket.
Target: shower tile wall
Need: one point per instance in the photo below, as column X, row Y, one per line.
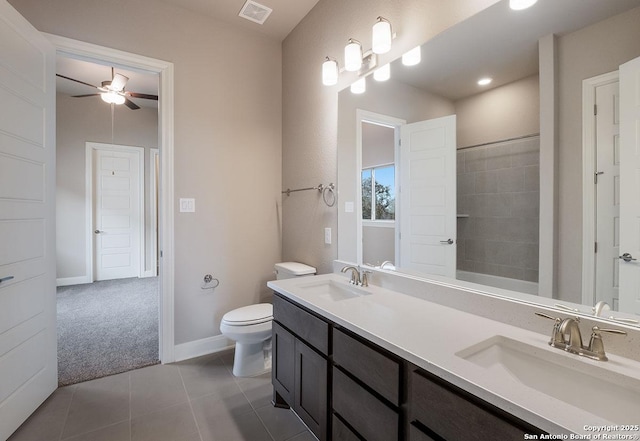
column 499, row 190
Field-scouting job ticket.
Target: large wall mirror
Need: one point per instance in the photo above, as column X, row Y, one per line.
column 440, row 176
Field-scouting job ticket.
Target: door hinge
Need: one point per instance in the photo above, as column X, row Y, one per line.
column 595, row 248
column 160, row 253
column 400, row 141
column 595, row 109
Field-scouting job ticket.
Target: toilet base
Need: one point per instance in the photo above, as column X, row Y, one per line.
column 252, row 359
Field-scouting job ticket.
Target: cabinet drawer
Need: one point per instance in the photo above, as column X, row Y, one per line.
column 373, row 368
column 340, row 432
column 305, row 325
column 370, row 417
column 415, row 434
column 451, row 415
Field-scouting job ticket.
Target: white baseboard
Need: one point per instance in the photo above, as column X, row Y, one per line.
column 66, row 281
column 204, row 346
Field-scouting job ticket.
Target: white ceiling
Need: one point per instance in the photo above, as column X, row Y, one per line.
column 285, row 16
column 499, row 43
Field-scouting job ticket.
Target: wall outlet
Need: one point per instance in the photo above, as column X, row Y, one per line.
column 327, row 236
column 187, row 205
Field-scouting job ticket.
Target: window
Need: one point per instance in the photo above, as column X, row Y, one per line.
column 378, row 193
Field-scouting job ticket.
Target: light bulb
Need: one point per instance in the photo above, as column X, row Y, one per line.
column 518, row 5
column 383, row 73
column 412, row 57
column 112, row 98
column 359, row 86
column 352, row 56
column 381, row 37
column 329, row 72
column 484, row 81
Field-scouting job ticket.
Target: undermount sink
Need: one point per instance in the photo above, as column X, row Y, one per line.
column 334, row 290
column 610, row 395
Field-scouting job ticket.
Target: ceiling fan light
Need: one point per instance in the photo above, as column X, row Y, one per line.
column 112, row 98
column 329, row 72
column 518, row 5
column 381, row 36
column 118, row 82
column 412, row 57
column 352, row 55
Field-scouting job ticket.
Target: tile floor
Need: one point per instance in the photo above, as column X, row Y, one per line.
column 195, row 400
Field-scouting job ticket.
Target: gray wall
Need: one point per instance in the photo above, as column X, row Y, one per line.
column 228, row 121
column 586, row 53
column 79, row 120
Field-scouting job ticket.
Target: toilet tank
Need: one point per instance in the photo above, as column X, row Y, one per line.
column 289, row 270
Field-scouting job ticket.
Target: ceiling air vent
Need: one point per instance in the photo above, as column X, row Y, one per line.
column 255, row 12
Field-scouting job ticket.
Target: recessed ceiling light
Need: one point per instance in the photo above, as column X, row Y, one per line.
column 518, row 5
column 484, row 81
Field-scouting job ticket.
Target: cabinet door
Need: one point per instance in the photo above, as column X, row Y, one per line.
column 283, row 370
column 310, row 398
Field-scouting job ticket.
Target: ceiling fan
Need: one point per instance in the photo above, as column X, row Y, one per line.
column 112, row 91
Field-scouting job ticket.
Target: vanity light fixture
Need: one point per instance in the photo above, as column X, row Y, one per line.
column 358, row 60
column 484, row 81
column 382, row 73
column 330, row 71
column 381, row 36
column 353, row 55
column 518, row 5
column 360, row 86
column 412, row 57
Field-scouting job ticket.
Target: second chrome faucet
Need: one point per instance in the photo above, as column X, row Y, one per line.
column 357, row 278
column 566, row 335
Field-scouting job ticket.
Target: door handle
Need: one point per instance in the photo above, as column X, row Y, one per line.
column 97, row 231
column 6, row 279
column 626, row 257
column 447, row 242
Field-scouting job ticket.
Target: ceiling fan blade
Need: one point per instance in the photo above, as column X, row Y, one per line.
column 142, row 95
column 130, row 104
column 77, row 81
column 118, row 82
column 82, row 96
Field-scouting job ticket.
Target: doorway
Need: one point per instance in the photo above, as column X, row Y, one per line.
column 162, row 196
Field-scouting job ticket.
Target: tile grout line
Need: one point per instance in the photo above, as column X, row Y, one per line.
column 193, row 415
column 66, row 415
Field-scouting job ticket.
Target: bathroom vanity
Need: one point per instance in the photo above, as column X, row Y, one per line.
column 371, row 363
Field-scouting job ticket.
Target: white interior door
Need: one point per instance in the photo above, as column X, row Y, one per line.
column 428, row 196
column 118, row 210
column 607, row 181
column 28, row 358
column 629, row 293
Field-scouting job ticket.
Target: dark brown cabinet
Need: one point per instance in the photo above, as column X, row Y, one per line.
column 345, row 388
column 300, row 371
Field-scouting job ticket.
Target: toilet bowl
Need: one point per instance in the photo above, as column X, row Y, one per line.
column 250, row 327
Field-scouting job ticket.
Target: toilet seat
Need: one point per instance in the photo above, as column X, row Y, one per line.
column 249, row 315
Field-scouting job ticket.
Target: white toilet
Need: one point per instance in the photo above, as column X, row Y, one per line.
column 250, row 327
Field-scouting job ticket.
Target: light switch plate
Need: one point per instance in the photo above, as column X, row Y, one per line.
column 187, row 205
column 327, row 236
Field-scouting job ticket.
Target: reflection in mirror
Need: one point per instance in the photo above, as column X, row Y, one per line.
column 498, row 140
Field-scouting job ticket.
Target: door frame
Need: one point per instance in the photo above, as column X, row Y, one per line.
column 91, row 149
column 588, row 188
column 165, row 71
column 154, row 154
column 382, row 120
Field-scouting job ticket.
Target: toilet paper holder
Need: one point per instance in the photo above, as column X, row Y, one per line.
column 210, row 282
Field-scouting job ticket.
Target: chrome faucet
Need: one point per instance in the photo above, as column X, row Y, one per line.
column 566, row 335
column 355, row 274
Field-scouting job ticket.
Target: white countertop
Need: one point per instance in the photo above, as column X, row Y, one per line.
column 429, row 335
